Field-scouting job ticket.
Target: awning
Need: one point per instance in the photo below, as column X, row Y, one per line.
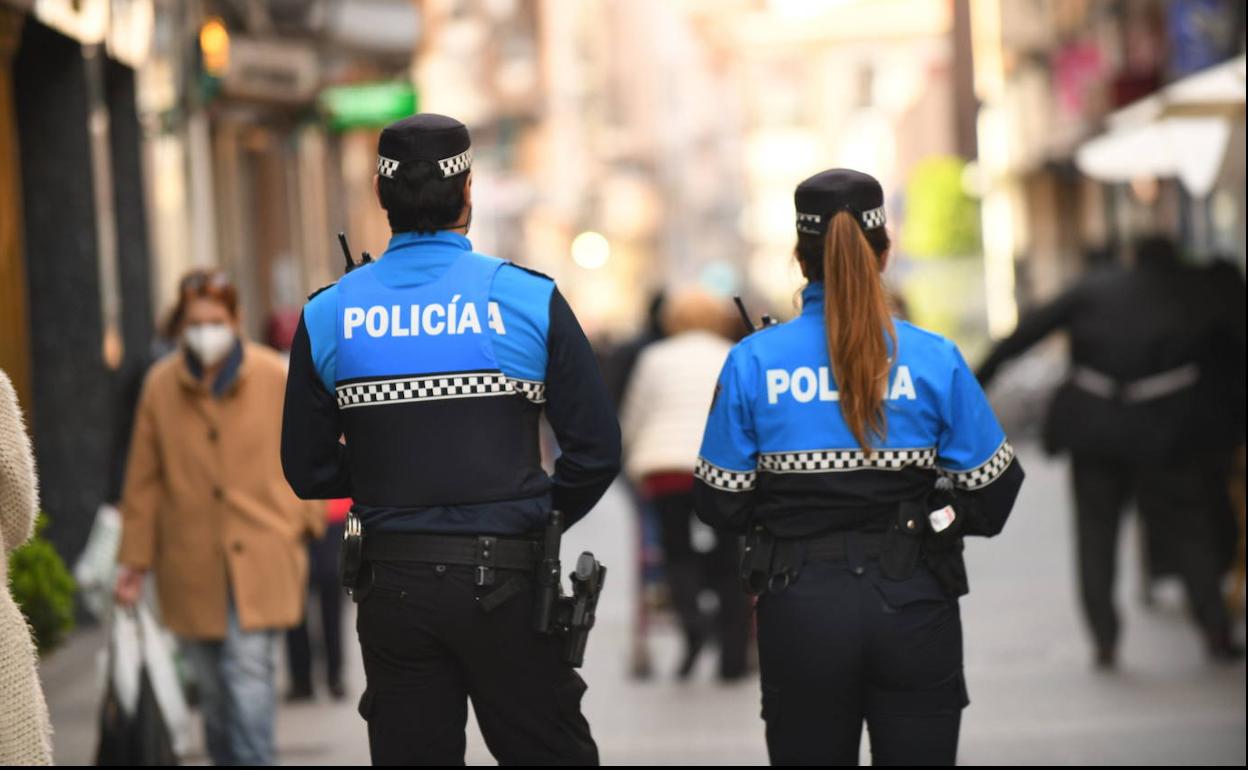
column 1181, row 131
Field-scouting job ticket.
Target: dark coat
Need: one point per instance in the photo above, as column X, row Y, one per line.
column 1131, row 324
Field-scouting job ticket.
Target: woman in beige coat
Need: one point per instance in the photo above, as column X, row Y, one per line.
column 206, row 509
column 24, row 728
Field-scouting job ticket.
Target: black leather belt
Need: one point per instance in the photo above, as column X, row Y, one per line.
column 835, row 546
column 485, row 552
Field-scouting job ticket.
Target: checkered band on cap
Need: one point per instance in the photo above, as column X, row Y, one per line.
column 387, row 166
column 723, row 479
column 985, row 474
column 809, row 223
column 457, row 164
column 872, row 218
column 833, row 460
column 812, row 224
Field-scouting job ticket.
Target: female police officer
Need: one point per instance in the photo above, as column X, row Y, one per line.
column 825, row 444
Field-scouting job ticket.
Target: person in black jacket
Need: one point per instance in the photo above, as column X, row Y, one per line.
column 1136, row 414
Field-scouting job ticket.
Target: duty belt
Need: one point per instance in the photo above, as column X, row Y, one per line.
column 1147, row 388
column 770, row 564
column 484, row 553
column 834, row 547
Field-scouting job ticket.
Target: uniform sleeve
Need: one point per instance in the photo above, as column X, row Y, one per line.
column 975, row 454
column 313, row 459
column 143, row 488
column 726, row 472
column 580, row 413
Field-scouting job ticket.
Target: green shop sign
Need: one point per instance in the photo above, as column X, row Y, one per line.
column 367, row 105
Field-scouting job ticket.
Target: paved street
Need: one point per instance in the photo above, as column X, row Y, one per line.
column 1035, row 698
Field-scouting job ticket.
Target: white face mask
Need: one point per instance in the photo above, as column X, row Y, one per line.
column 210, row 343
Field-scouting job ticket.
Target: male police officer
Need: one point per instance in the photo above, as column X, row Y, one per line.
column 435, row 363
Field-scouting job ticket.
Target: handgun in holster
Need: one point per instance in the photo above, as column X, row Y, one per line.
column 569, row 616
column 352, row 555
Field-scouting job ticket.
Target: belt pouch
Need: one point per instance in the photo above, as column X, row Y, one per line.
column 903, row 543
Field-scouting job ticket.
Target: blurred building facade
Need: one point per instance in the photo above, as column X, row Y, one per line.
column 75, row 299
column 1050, row 76
column 145, row 137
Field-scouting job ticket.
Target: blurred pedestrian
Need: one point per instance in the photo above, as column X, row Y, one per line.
column 206, row 509
column 618, row 366
column 662, row 419
column 1145, row 417
column 437, row 363
column 325, row 584
column 836, row 442
column 25, row 732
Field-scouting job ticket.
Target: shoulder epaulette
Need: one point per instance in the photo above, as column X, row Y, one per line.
column 323, row 288
column 538, row 273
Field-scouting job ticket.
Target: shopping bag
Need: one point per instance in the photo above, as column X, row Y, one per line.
column 143, row 717
column 96, row 568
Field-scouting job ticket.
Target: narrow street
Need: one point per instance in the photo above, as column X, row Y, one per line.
column 1035, row 698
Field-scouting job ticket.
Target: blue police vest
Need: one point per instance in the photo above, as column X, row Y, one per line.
column 776, row 430
column 428, row 415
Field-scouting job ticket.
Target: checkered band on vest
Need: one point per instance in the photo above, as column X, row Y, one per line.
column 987, row 473
column 386, row 166
column 723, row 479
column 531, row 389
column 432, row 388
column 873, row 218
column 456, row 165
column 831, row 460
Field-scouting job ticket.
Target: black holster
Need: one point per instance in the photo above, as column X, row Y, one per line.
column 570, row 617
column 769, row 564
column 352, row 554
column 944, row 558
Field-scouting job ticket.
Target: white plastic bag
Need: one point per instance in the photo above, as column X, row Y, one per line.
column 96, row 569
column 138, row 643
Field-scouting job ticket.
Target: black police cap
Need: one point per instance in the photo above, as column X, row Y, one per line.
column 429, row 137
column 839, row 189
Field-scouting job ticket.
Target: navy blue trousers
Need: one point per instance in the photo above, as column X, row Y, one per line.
column 844, row 646
column 429, row 647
